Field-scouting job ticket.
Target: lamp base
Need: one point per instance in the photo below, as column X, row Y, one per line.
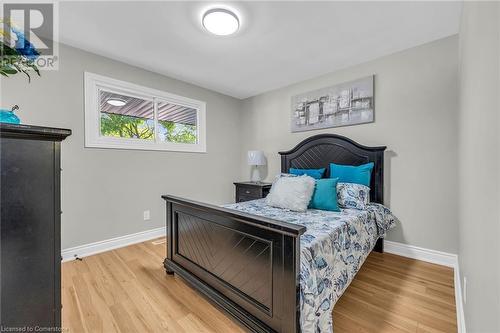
column 255, row 175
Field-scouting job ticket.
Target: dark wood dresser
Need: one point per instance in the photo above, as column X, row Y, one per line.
column 30, row 245
column 246, row 191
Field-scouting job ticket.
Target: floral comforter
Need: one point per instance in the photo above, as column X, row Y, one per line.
column 333, row 248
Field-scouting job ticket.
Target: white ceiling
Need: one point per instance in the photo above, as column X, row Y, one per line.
column 279, row 43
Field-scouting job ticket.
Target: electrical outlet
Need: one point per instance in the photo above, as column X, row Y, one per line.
column 147, row 215
column 464, row 289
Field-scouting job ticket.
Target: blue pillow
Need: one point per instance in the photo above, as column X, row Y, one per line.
column 360, row 174
column 315, row 173
column 325, row 195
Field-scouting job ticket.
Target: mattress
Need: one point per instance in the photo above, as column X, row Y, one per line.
column 333, row 248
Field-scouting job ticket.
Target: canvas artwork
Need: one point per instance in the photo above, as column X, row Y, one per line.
column 348, row 103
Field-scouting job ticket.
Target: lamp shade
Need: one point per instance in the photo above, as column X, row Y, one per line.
column 256, row 157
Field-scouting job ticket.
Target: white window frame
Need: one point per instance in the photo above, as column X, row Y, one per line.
column 93, row 137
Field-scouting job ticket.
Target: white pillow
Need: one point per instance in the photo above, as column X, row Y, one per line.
column 293, row 193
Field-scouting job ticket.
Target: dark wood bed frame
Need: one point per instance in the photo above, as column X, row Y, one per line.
column 247, row 264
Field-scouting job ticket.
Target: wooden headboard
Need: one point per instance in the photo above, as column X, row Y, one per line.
column 320, row 150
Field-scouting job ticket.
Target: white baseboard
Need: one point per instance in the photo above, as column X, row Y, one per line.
column 110, row 244
column 435, row 257
column 459, row 301
column 419, row 253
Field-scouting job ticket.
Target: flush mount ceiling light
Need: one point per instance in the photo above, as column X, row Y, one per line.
column 116, row 102
column 221, row 22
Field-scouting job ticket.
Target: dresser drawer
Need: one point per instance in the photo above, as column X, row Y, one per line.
column 249, row 192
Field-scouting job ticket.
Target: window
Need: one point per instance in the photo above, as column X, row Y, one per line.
column 127, row 116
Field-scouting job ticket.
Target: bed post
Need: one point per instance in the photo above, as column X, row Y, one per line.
column 291, row 300
column 379, row 245
column 169, row 242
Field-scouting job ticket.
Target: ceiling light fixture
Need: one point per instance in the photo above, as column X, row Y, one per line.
column 221, row 22
column 116, row 102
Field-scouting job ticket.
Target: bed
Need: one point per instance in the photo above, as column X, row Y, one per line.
column 271, row 269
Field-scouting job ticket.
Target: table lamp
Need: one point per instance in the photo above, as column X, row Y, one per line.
column 255, row 159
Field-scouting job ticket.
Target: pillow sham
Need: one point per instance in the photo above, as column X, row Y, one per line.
column 315, row 173
column 360, row 174
column 352, row 195
column 325, row 195
column 280, row 175
column 293, row 193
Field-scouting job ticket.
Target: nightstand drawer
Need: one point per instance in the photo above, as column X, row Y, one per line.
column 249, row 191
column 246, row 191
column 243, row 198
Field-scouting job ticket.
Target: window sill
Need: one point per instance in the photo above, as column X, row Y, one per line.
column 151, row 146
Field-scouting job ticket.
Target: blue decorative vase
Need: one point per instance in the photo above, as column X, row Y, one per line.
column 8, row 116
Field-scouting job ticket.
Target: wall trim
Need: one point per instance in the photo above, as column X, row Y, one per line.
column 420, row 253
column 435, row 257
column 459, row 305
column 110, row 244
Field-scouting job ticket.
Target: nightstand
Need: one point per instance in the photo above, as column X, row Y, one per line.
column 246, row 191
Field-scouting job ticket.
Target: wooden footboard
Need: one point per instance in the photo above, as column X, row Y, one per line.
column 246, row 264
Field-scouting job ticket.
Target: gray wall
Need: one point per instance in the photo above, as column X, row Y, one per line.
column 416, row 118
column 479, row 165
column 105, row 191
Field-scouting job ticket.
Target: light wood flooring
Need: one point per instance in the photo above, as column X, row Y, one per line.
column 127, row 290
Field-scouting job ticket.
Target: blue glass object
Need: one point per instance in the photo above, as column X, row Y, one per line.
column 8, row 116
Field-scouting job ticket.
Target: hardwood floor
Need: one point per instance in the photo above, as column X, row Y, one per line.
column 396, row 294
column 127, row 290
